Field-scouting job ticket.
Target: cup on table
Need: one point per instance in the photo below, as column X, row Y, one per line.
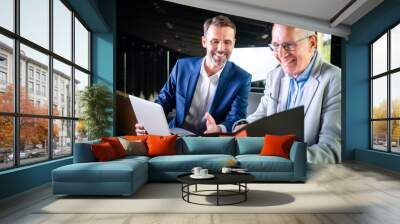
column 203, row 172
column 226, row 170
column 196, row 170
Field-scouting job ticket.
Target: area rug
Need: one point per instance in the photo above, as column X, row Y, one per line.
column 167, row 198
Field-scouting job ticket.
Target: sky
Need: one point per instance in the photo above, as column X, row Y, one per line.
column 258, row 61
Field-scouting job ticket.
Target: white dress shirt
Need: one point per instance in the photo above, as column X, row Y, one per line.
column 202, row 100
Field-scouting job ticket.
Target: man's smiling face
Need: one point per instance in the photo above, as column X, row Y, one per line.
column 295, row 61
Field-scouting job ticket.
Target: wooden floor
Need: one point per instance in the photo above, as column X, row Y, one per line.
column 377, row 188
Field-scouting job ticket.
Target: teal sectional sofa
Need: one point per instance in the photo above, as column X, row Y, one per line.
column 125, row 176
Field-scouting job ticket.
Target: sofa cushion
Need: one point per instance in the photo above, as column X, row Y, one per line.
column 249, row 145
column 112, row 171
column 134, row 147
column 206, row 145
column 185, row 163
column 161, row 145
column 257, row 163
column 103, row 151
column 116, row 145
column 118, row 177
column 277, row 145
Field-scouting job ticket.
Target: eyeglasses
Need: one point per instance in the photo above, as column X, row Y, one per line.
column 287, row 46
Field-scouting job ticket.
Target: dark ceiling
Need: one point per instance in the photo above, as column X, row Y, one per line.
column 179, row 27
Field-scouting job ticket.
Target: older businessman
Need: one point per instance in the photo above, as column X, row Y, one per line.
column 303, row 78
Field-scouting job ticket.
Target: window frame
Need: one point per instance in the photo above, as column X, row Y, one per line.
column 388, row 74
column 15, row 72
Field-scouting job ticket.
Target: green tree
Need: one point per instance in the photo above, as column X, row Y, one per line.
column 96, row 102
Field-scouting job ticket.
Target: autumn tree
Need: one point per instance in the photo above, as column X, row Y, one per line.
column 33, row 130
column 6, row 122
column 380, row 127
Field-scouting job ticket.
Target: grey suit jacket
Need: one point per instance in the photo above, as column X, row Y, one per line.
column 322, row 108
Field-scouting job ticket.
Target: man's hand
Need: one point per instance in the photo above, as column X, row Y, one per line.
column 237, row 127
column 212, row 126
column 140, row 129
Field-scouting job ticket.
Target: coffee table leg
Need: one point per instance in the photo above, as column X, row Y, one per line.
column 245, row 191
column 217, row 194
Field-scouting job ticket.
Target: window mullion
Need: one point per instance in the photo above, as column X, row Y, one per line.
column 73, row 82
column 389, row 112
column 16, row 85
column 50, row 81
column 371, row 89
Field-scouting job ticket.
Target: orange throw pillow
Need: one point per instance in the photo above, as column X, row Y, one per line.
column 161, row 145
column 103, row 151
column 277, row 145
column 135, row 137
column 116, row 145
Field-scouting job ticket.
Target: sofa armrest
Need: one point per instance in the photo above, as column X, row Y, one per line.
column 83, row 152
column 298, row 155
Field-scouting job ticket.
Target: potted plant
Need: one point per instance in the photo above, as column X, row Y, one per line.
column 96, row 103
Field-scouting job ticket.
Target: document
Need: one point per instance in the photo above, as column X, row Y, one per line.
column 286, row 122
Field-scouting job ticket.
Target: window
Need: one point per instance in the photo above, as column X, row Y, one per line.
column 81, row 45
column 3, row 78
column 3, row 72
column 34, row 21
column 43, row 77
column 38, row 89
column 30, row 87
column 385, row 96
column 37, row 74
column 54, row 126
column 43, row 90
column 3, row 61
column 62, row 74
column 30, row 72
column 81, row 81
column 62, row 143
column 62, row 29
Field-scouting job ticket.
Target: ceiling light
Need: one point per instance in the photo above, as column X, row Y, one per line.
column 169, row 25
column 264, row 36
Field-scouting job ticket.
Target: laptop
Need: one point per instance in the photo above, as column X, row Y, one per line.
column 151, row 115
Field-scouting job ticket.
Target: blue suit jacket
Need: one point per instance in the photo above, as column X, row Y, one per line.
column 230, row 100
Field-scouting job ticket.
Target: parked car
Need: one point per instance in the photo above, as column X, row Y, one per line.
column 22, row 155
